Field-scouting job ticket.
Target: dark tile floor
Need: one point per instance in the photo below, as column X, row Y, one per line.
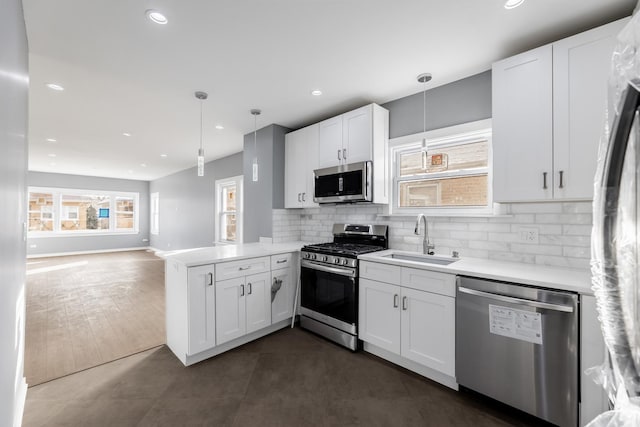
column 290, row 378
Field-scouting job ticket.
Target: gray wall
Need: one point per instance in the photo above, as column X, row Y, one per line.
column 462, row 101
column 187, row 204
column 63, row 244
column 268, row 192
column 14, row 88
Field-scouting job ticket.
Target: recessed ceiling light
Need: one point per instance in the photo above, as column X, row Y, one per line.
column 512, row 4
column 219, row 127
column 52, row 164
column 156, row 17
column 144, row 165
column 316, row 92
column 52, row 155
column 52, row 140
column 126, row 134
column 54, row 86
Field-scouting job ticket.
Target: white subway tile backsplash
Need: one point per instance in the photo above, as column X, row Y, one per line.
column 564, row 231
column 517, row 208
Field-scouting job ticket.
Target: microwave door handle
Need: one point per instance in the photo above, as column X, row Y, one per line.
column 615, row 327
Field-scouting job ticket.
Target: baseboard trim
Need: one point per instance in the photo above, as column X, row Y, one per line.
column 99, row 251
column 21, row 399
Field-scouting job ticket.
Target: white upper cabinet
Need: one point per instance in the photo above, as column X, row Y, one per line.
column 356, row 136
column 523, row 126
column 330, row 142
column 581, row 67
column 548, row 116
column 299, row 166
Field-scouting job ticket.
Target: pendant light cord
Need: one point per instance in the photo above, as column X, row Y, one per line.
column 201, row 125
column 255, row 135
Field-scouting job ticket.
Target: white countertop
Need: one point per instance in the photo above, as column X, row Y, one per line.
column 566, row 279
column 222, row 253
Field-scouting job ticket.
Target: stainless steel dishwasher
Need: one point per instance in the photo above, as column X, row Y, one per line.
column 519, row 345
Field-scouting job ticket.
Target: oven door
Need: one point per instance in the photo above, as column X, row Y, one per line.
column 329, row 295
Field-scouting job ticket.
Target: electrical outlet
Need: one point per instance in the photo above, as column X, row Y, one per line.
column 528, row 234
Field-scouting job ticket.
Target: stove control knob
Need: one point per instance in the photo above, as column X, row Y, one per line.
column 325, row 258
column 345, row 261
column 336, row 260
column 312, row 256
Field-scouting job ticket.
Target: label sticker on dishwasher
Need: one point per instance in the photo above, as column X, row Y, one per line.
column 518, row 324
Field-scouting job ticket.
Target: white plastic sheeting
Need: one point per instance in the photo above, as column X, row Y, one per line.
column 615, row 263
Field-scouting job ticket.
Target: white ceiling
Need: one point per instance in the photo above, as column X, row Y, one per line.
column 123, row 73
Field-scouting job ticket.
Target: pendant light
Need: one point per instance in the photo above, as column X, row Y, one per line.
column 255, row 113
column 424, row 78
column 201, row 96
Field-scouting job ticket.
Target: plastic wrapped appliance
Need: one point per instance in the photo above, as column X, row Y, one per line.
column 615, row 243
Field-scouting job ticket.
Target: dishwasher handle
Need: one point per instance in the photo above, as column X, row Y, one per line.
column 527, row 302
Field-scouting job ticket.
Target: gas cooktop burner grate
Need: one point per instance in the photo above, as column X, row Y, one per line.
column 343, row 248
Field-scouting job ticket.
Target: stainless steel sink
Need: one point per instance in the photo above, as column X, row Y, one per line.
column 424, row 259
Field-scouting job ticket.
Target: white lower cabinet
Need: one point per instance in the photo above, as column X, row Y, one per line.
column 215, row 307
column 428, row 330
column 243, row 305
column 201, row 308
column 282, row 293
column 413, row 317
column 379, row 314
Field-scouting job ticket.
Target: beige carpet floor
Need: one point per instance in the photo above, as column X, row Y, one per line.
column 86, row 310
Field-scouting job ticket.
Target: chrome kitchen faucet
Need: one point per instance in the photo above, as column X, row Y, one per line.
column 427, row 246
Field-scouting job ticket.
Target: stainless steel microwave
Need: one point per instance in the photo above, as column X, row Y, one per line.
column 343, row 184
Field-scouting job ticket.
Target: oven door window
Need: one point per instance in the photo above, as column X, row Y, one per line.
column 330, row 294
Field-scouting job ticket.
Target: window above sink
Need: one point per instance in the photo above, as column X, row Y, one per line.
column 448, row 173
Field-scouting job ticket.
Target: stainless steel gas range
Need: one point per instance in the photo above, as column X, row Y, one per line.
column 329, row 281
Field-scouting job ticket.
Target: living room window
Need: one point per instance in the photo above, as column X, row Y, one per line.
column 55, row 211
column 447, row 173
column 229, row 210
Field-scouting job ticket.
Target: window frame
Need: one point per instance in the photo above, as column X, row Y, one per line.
column 57, row 208
column 442, row 138
column 220, row 184
column 154, row 213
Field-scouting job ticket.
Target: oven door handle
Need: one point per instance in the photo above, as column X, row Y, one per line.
column 327, row 269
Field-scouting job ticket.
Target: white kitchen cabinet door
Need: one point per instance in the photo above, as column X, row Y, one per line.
column 357, row 135
column 311, row 162
column 294, row 172
column 201, row 308
column 330, row 142
column 428, row 330
column 258, row 300
column 379, row 314
column 580, row 75
column 523, row 126
column 230, row 309
column 282, row 303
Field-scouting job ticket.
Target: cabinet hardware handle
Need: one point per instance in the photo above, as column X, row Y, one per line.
column 280, row 261
column 544, row 180
column 395, row 301
column 249, row 290
column 561, row 183
column 299, row 194
column 244, row 268
column 241, row 290
column 344, row 154
column 209, row 279
column 303, row 197
column 339, row 155
column 404, row 303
